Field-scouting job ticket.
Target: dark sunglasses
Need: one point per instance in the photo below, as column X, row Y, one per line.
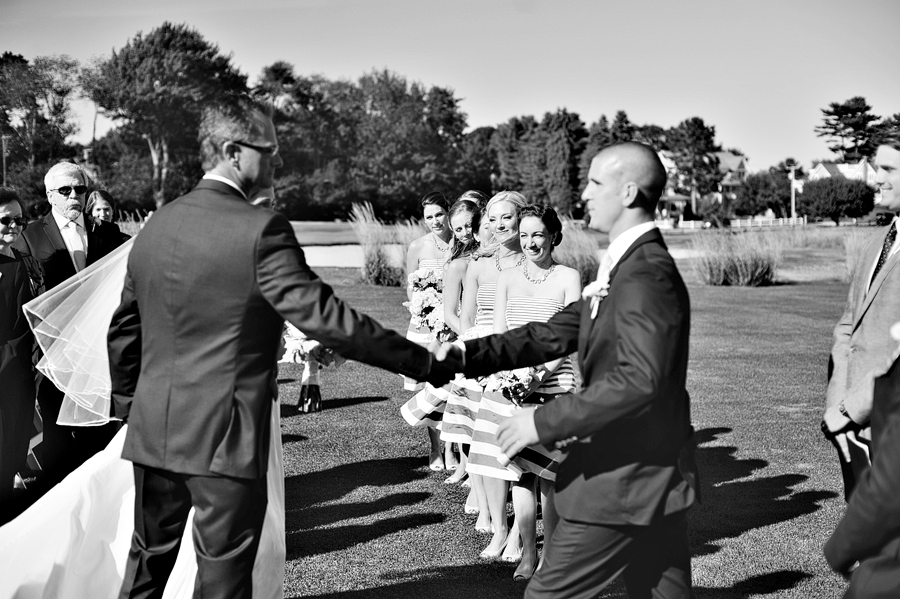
column 19, row 220
column 79, row 189
column 270, row 150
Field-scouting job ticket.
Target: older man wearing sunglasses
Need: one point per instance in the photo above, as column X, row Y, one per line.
column 61, row 244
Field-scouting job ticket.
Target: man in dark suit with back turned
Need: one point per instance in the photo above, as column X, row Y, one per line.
column 192, row 351
column 61, row 244
column 624, row 487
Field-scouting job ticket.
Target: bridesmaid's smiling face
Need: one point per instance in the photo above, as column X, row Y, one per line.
column 461, row 225
column 504, row 221
column 536, row 240
column 435, row 219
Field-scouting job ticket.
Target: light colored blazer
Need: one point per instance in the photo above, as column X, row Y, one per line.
column 862, row 339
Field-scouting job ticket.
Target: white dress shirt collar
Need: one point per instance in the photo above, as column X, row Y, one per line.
column 226, row 181
column 625, row 240
column 62, row 221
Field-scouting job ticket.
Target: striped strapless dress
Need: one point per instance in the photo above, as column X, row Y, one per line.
column 425, row 408
column 495, row 408
column 464, row 398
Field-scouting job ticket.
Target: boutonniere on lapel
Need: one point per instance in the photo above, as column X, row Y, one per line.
column 597, row 290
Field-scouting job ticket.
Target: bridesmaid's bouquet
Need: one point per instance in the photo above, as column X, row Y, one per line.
column 516, row 385
column 426, row 305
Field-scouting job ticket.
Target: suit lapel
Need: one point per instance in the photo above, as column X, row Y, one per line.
column 51, row 230
column 866, row 293
column 651, row 236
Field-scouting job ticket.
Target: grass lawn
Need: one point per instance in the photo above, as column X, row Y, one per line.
column 366, row 518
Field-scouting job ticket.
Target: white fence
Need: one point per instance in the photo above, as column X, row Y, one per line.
column 749, row 223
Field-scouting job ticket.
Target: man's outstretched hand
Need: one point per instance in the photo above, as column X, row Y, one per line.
column 447, row 360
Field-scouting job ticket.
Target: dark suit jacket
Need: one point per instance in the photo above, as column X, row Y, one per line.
column 16, row 340
column 870, row 529
column 43, row 242
column 635, row 456
column 193, row 344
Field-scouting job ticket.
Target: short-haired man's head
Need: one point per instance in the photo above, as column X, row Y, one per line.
column 435, row 198
column 224, row 122
column 64, row 169
column 548, row 216
column 639, row 164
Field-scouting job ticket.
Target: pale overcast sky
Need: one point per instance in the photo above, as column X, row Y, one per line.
column 759, row 71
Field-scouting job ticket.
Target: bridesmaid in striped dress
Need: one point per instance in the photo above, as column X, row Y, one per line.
column 534, row 292
column 459, row 412
column 429, row 251
column 479, row 288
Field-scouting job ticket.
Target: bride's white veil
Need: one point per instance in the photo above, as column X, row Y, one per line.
column 70, row 323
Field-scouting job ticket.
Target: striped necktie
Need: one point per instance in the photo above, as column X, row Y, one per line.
column 885, row 250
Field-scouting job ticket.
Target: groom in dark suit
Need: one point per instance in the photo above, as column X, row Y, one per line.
column 61, row 244
column 192, row 351
column 624, row 487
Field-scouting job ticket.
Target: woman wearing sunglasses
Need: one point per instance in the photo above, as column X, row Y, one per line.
column 16, row 378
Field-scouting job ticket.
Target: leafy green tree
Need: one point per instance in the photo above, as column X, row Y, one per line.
column 565, row 137
column 599, row 136
column 653, row 135
column 692, row 144
column 762, row 191
column 851, row 129
column 836, row 198
column 35, row 104
column 507, row 143
column 478, row 167
column 156, row 85
column 622, row 128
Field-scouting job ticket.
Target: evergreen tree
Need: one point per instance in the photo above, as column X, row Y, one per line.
column 851, row 129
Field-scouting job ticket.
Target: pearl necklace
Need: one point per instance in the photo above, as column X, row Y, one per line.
column 434, row 240
column 542, row 279
column 497, row 261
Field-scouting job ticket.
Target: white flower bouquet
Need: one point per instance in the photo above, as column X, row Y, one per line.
column 426, row 305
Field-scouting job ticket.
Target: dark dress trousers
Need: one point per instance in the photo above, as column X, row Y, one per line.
column 623, row 488
column 192, row 349
column 16, row 374
column 63, row 448
column 870, row 529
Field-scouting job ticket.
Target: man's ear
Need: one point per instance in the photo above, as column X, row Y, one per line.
column 630, row 194
column 230, row 150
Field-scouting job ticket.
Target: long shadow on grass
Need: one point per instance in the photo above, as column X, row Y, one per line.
column 735, row 501
column 481, row 581
column 306, row 520
column 325, row 540
column 762, row 584
column 343, row 402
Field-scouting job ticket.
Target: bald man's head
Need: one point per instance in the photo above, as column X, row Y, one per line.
column 638, row 163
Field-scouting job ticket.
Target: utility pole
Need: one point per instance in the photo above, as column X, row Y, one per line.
column 793, row 166
column 3, row 139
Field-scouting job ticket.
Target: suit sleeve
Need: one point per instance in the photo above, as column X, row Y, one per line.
column 651, row 327
column 529, row 345
column 124, row 348
column 872, row 518
column 298, row 295
column 859, row 402
column 16, row 353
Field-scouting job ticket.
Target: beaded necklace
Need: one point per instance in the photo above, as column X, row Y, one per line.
column 542, row 279
column 497, row 261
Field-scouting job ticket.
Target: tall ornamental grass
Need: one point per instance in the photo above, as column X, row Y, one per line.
column 130, row 223
column 408, row 231
column 374, row 238
column 578, row 250
column 742, row 259
column 854, row 244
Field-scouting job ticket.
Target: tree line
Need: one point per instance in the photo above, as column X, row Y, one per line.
column 381, row 138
